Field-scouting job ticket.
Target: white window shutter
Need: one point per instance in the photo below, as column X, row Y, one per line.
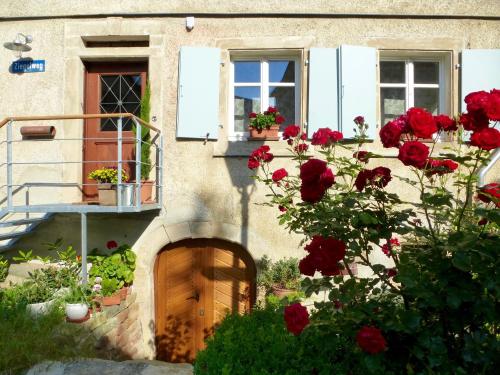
column 480, row 71
column 357, row 88
column 323, row 90
column 198, row 94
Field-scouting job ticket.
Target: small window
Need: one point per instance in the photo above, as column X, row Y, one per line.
column 412, row 82
column 260, row 82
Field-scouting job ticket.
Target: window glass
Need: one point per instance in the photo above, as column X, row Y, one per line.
column 392, row 72
column 427, row 98
column 282, row 71
column 283, row 98
column 246, row 100
column 426, row 72
column 260, row 83
column 393, row 102
column 247, row 71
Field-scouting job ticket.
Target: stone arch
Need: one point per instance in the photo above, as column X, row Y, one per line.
column 160, row 234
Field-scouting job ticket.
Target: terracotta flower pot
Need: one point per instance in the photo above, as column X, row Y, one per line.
column 123, row 293
column 282, row 292
column 270, row 134
column 115, row 299
column 147, row 191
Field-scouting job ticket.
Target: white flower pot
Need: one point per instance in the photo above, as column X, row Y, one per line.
column 41, row 308
column 76, row 311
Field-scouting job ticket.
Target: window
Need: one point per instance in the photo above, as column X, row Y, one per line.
column 407, row 82
column 260, row 82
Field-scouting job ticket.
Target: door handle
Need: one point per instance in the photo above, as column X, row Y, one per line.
column 196, row 296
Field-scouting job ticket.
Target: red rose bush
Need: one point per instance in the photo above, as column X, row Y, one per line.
column 427, row 294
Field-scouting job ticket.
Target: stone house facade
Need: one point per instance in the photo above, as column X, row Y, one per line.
column 320, row 62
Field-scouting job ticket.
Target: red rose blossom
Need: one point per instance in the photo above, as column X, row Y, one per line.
column 391, row 272
column 370, row 339
column 476, row 101
column 111, row 244
column 316, row 179
column 324, row 256
column 252, row 115
column 359, row 120
column 483, row 221
column 421, row 122
column 486, row 139
column 253, row 163
column 474, row 121
column 381, row 176
column 439, row 167
column 390, row 134
column 279, row 174
column 279, row 119
column 445, row 123
column 362, row 156
column 490, row 193
column 362, row 179
column 296, row 318
column 414, row 153
column 301, row 148
column 326, row 137
column 389, row 246
column 492, row 108
column 259, row 155
column 271, row 109
column 291, row 131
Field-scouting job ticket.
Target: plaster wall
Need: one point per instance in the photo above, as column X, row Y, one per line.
column 208, row 191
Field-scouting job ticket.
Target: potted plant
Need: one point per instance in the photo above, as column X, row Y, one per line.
column 110, row 292
column 265, row 125
column 280, row 278
column 39, row 298
column 107, row 178
column 4, row 268
column 77, row 306
column 146, row 166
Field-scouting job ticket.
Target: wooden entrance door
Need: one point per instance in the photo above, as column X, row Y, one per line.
column 197, row 282
column 110, row 88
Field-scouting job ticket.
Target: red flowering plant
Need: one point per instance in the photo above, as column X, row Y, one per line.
column 427, row 296
column 265, row 120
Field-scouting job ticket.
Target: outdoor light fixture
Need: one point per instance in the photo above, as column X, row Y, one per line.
column 20, row 44
column 189, row 23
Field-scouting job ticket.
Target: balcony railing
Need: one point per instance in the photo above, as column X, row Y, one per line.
column 42, row 178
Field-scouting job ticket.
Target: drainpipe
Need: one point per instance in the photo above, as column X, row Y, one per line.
column 481, row 174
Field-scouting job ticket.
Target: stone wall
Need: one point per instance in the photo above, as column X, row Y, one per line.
column 118, row 329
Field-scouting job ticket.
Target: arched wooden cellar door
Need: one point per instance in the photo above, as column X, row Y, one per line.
column 197, row 282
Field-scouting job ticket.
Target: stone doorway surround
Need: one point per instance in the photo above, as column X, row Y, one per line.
column 76, row 53
column 159, row 234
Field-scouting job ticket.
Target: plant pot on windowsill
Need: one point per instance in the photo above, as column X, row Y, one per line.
column 270, row 134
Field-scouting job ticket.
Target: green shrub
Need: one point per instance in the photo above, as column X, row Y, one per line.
column 259, row 343
column 283, row 274
column 4, row 268
column 26, row 341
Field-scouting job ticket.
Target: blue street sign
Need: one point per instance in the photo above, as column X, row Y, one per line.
column 28, row 66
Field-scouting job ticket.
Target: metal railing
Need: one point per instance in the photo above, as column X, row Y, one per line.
column 11, row 189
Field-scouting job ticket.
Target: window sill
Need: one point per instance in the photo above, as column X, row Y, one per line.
column 243, row 148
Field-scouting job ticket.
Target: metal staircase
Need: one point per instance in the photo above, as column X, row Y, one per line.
column 13, row 226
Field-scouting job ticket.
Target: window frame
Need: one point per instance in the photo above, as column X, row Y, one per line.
column 443, row 58
column 263, row 57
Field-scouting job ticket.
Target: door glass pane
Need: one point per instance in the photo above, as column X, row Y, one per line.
column 120, row 93
column 282, row 71
column 247, row 71
column 426, row 72
column 392, row 72
column 393, row 103
column 428, row 99
column 283, row 98
column 246, row 100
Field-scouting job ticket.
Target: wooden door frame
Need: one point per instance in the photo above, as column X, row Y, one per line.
column 92, row 85
column 208, row 243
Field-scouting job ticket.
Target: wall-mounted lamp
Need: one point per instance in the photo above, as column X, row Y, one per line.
column 20, row 44
column 189, row 23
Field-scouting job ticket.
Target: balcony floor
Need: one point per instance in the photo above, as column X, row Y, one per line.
column 85, row 208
